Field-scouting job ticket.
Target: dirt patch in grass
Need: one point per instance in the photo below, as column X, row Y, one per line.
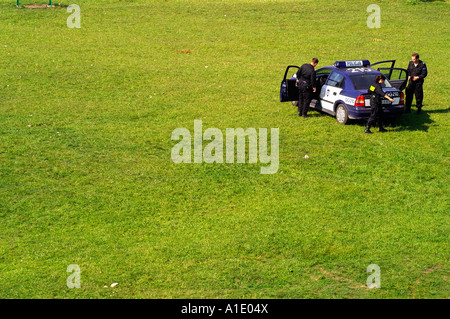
column 338, row 277
column 44, row 6
column 432, row 269
column 36, row 6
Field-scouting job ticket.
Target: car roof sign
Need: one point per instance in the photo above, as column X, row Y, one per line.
column 351, row 64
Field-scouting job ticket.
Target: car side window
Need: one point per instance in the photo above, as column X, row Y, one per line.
column 335, row 79
column 322, row 72
column 321, row 76
column 398, row 74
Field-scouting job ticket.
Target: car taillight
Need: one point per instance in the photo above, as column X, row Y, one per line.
column 402, row 98
column 360, row 101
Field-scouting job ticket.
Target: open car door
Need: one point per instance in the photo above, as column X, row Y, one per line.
column 384, row 64
column 396, row 76
column 289, row 89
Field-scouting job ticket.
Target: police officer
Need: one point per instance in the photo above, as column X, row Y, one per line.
column 376, row 107
column 417, row 71
column 306, row 79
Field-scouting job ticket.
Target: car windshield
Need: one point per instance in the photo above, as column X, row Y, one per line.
column 364, row 81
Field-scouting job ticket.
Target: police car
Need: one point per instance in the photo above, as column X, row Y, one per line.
column 341, row 89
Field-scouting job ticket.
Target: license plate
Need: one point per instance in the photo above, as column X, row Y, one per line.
column 386, row 102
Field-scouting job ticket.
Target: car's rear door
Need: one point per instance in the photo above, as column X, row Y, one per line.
column 383, row 64
column 321, row 77
column 289, row 89
column 330, row 91
column 396, row 76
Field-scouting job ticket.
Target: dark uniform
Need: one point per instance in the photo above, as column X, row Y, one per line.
column 376, row 107
column 415, row 87
column 307, row 81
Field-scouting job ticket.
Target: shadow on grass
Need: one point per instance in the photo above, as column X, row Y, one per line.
column 413, row 122
column 417, row 122
column 407, row 122
column 438, row 111
column 413, row 2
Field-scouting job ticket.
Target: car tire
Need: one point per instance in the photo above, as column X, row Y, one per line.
column 341, row 114
column 295, row 103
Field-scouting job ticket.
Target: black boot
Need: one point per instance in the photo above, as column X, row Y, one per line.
column 382, row 129
column 368, row 130
column 419, row 109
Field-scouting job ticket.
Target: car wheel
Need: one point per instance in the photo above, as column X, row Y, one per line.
column 341, row 114
column 295, row 103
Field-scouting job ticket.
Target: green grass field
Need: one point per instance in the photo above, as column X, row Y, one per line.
column 86, row 175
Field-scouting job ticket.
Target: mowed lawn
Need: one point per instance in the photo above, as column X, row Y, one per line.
column 86, row 175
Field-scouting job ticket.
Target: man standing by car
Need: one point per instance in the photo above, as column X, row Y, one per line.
column 306, row 79
column 417, row 71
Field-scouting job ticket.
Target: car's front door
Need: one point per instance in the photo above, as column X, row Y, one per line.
column 289, row 89
column 396, row 76
column 331, row 90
